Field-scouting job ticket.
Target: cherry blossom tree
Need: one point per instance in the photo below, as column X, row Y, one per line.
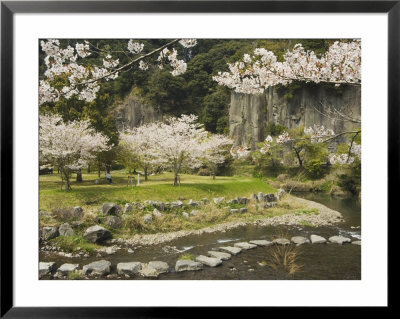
column 141, row 144
column 70, row 145
column 215, row 151
column 69, row 71
column 341, row 64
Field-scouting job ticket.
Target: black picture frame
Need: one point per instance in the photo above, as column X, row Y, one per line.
column 9, row 8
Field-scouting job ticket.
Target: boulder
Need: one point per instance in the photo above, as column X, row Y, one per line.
column 243, row 210
column 159, row 266
column 299, row 240
column 281, row 241
column 176, row 205
column 113, row 221
column 160, row 205
column 187, row 265
column 96, row 234
column 45, row 268
column 205, row 200
column 156, row 212
column 243, row 200
column 234, row 210
column 68, row 213
column 77, row 212
column 192, row 203
column 281, row 192
column 315, row 239
column 148, row 272
column 244, row 245
column 101, row 268
column 260, row 197
column 129, row 268
column 261, row 242
column 356, row 242
column 66, row 230
column 110, row 209
column 65, row 269
column 253, row 197
column 233, row 201
column 128, row 208
column 339, row 240
column 49, row 233
column 43, row 213
column 194, row 212
column 218, row 200
column 231, row 250
column 219, row 254
column 270, row 198
column 209, row 261
column 148, row 219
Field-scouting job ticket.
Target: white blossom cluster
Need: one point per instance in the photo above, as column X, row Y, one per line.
column 318, row 132
column 283, row 138
column 71, row 145
column 178, row 66
column 135, row 47
column 188, row 43
column 340, row 64
column 342, row 159
column 267, row 145
column 240, row 152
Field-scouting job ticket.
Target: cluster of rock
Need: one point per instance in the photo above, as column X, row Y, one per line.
column 153, row 269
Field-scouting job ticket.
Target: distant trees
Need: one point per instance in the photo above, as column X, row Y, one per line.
column 69, row 145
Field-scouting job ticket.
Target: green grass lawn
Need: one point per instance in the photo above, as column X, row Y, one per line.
column 159, row 187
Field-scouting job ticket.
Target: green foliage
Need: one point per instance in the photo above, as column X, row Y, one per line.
column 274, row 129
column 71, row 243
column 187, row 257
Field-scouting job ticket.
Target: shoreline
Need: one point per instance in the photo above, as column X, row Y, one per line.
column 325, row 217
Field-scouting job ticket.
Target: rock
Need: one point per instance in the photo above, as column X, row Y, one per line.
column 45, row 268
column 192, row 203
column 219, row 254
column 231, row 250
column 243, row 210
column 187, row 265
column 261, row 205
column 260, row 197
column 148, row 219
column 253, row 197
column 261, row 242
column 218, row 200
column 101, row 268
column 209, row 261
column 194, row 212
column 105, row 251
column 148, row 272
column 185, row 215
column 156, row 212
column 129, row 268
column 281, row 192
column 357, row 242
column 205, row 200
column 299, row 240
column 77, row 212
column 233, row 201
column 130, row 251
column 244, row 245
column 96, row 234
column 159, row 266
column 49, row 233
column 160, row 205
column 43, row 213
column 176, row 204
column 128, row 208
column 66, row 230
column 281, row 241
column 271, row 204
column 315, row 239
column 270, row 198
column 243, row 200
column 339, row 240
column 234, row 210
column 113, row 221
column 76, row 223
column 110, row 209
column 65, row 269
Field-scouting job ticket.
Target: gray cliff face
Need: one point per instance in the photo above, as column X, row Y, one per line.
column 250, row 114
column 134, row 113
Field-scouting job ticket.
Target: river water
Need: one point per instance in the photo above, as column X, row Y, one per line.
column 318, row 262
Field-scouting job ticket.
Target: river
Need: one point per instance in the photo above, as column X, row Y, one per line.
column 318, row 262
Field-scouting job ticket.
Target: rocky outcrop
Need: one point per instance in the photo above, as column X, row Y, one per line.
column 249, row 115
column 132, row 112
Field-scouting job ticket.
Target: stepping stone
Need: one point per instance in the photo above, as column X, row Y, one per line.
column 339, row 240
column 357, row 242
column 46, row 268
column 65, row 269
column 231, row 250
column 209, row 261
column 245, row 245
column 101, row 267
column 159, row 266
column 299, row 240
column 261, row 242
column 147, row 271
column 315, row 239
column 219, row 255
column 187, row 265
column 281, row 241
column 129, row 268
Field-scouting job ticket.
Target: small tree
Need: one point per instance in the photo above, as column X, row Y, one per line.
column 69, row 145
column 215, row 151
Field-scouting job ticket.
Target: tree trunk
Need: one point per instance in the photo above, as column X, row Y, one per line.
column 299, row 158
column 79, row 176
column 88, row 169
column 145, row 174
column 66, row 179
